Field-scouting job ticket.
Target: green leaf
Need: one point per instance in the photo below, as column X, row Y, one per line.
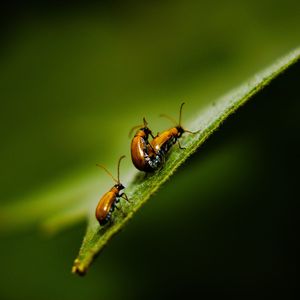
column 141, row 187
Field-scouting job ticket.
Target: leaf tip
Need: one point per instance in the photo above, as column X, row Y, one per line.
column 78, row 268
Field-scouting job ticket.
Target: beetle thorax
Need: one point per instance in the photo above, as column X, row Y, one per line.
column 180, row 131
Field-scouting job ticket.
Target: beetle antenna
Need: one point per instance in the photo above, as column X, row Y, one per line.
column 180, row 113
column 100, row 166
column 169, row 118
column 133, row 128
column 119, row 167
column 145, row 122
column 138, row 126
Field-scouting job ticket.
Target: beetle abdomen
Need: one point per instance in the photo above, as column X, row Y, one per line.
column 138, row 152
column 105, row 207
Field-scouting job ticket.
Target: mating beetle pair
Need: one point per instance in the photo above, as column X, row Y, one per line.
column 146, row 156
column 149, row 156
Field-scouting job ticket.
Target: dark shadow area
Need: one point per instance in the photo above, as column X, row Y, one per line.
column 243, row 242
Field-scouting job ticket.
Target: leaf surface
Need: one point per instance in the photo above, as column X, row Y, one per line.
column 141, row 187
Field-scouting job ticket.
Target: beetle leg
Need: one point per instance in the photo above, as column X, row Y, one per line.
column 120, row 210
column 192, row 132
column 151, row 134
column 182, row 148
column 124, row 196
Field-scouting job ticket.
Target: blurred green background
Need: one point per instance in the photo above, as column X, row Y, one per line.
column 74, row 78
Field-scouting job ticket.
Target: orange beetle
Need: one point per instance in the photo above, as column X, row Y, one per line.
column 143, row 157
column 164, row 141
column 108, row 202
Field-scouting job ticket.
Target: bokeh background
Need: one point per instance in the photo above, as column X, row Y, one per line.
column 75, row 77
